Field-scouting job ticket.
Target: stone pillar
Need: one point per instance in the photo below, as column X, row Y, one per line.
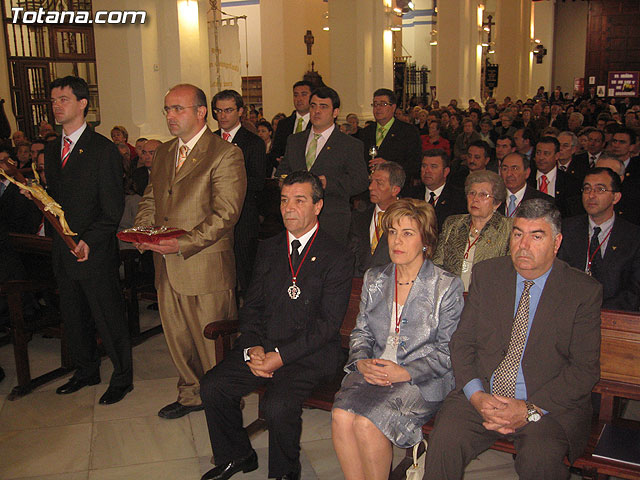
column 283, row 24
column 458, row 56
column 361, row 53
column 137, row 64
column 514, row 48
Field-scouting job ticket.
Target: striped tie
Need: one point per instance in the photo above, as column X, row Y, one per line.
column 299, row 125
column 66, row 150
column 544, row 181
column 183, row 153
column 504, row 378
column 377, row 233
column 311, row 153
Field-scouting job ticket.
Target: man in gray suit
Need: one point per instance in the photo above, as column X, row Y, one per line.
column 525, row 357
column 333, row 156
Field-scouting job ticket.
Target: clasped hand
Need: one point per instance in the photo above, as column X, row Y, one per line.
column 263, row 364
column 502, row 414
column 163, row 247
column 378, row 371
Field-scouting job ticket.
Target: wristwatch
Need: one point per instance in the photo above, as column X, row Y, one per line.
column 532, row 413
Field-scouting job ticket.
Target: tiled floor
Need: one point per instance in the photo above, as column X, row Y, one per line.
column 46, row 436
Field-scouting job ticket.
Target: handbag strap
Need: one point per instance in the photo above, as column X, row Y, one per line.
column 415, row 450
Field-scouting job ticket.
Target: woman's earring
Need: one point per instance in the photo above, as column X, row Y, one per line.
column 424, row 249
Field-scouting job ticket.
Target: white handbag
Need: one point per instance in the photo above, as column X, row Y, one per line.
column 416, row 471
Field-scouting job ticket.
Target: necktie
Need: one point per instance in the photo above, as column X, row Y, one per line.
column 311, row 153
column 504, row 380
column 299, row 125
column 512, row 205
column 544, row 181
column 379, row 135
column 295, row 254
column 596, row 258
column 66, row 150
column 225, row 136
column 183, row 153
column 2, row 188
column 432, row 198
column 562, row 167
column 592, row 160
column 377, row 233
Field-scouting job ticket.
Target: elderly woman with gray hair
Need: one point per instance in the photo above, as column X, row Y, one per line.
column 481, row 234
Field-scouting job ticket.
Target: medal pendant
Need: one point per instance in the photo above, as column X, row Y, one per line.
column 466, row 266
column 588, row 272
column 395, row 340
column 293, row 291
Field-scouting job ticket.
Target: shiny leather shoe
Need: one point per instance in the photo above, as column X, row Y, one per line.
column 76, row 384
column 227, row 470
column 177, row 410
column 115, row 394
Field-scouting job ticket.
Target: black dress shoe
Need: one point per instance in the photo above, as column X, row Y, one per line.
column 76, row 384
column 115, row 394
column 227, row 470
column 177, row 410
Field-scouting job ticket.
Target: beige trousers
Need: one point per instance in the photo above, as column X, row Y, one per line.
column 183, row 320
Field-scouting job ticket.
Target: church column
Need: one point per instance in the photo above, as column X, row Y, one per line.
column 283, row 25
column 458, row 53
column 514, row 34
column 361, row 53
column 137, row 64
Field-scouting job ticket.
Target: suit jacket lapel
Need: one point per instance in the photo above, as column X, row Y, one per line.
column 195, row 156
column 614, row 240
column 507, row 301
column 170, row 165
column 326, row 149
column 549, row 300
column 298, row 157
column 78, row 151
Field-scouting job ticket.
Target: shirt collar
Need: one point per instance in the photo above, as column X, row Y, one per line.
column 519, row 194
column 192, row 143
column 551, row 176
column 303, row 239
column 538, row 282
column 388, row 125
column 327, row 133
column 304, row 117
column 232, row 132
column 437, row 192
column 75, row 136
column 604, row 226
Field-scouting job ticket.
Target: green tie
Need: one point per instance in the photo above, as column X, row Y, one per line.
column 311, row 153
column 379, row 135
column 299, row 125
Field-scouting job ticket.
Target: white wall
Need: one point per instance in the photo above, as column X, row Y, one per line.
column 250, row 8
column 416, row 33
column 543, row 17
column 571, row 44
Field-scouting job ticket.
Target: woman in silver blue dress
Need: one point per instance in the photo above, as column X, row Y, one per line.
column 399, row 370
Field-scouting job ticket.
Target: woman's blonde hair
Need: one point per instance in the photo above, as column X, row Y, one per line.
column 423, row 214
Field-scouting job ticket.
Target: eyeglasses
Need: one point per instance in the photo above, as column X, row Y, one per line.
column 480, row 195
column 598, row 189
column 381, row 104
column 177, row 109
column 224, row 110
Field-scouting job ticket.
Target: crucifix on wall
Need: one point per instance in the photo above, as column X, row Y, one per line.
column 308, row 40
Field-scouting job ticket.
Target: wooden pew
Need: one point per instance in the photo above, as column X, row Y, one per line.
column 620, row 379
column 35, row 253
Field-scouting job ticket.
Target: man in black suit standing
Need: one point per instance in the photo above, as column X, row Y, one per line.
column 434, row 189
column 575, row 165
column 333, row 156
column 297, row 122
column 289, row 338
column 604, row 244
column 84, row 175
column 366, row 239
column 627, row 207
column 395, row 141
column 228, row 107
column 595, row 147
column 141, row 174
column 552, row 181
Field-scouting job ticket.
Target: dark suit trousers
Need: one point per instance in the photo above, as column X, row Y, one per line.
column 91, row 304
column 459, row 437
column 221, row 390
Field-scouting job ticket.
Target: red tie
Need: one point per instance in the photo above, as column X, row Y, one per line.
column 66, row 149
column 543, row 184
column 225, row 136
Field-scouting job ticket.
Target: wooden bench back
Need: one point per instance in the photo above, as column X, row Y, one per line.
column 620, row 347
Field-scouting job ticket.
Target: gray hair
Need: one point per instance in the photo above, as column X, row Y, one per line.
column 577, row 115
column 498, row 189
column 610, row 156
column 396, row 173
column 574, row 138
column 538, row 208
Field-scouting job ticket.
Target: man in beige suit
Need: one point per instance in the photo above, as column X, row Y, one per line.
column 198, row 184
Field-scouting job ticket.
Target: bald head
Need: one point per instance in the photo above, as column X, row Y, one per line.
column 148, row 151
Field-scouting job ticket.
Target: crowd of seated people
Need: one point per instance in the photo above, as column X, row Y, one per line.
column 468, row 172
